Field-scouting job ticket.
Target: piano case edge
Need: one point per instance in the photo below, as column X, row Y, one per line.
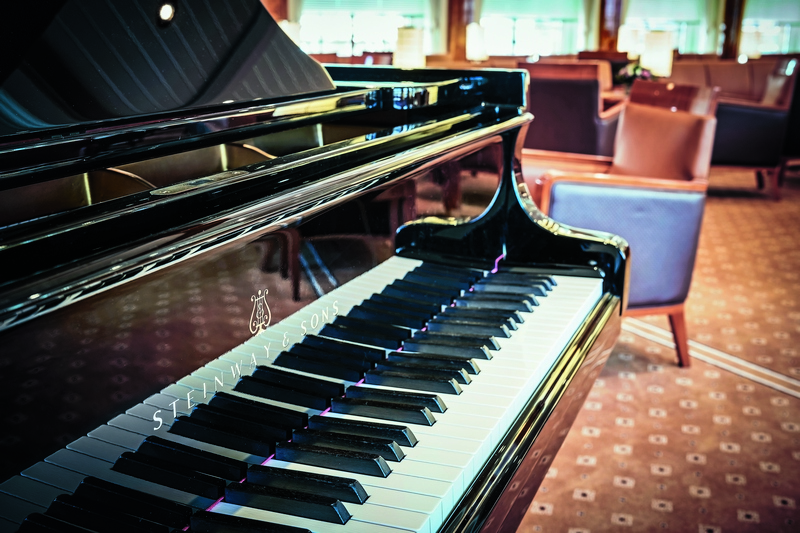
column 502, row 492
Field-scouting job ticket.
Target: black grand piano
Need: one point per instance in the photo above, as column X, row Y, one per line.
column 243, row 292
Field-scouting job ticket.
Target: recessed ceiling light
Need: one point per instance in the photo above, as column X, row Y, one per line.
column 166, row 12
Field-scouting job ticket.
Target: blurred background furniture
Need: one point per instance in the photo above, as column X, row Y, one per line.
column 569, row 109
column 652, row 193
column 695, row 99
column 617, row 60
column 755, row 104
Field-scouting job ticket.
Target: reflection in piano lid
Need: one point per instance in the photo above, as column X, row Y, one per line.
column 329, row 305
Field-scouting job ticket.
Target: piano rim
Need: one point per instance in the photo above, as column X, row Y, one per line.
column 25, row 300
column 480, row 499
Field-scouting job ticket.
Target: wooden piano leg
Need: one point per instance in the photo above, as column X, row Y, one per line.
column 678, row 325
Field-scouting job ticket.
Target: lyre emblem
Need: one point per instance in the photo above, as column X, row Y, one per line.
column 261, row 316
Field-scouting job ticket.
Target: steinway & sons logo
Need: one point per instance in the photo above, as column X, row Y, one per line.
column 261, row 315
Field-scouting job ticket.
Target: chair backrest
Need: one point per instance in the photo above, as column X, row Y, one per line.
column 572, row 70
column 565, row 112
column 695, row 99
column 659, row 143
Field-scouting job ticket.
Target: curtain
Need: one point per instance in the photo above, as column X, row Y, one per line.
column 294, row 8
column 590, row 25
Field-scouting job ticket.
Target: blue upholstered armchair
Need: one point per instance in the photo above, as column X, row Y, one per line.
column 652, row 194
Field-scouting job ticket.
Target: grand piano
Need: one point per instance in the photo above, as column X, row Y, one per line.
column 240, row 291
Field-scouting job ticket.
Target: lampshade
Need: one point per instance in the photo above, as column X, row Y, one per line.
column 657, row 54
column 476, row 43
column 630, row 40
column 410, row 52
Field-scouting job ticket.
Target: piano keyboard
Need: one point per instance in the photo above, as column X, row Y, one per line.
column 415, row 493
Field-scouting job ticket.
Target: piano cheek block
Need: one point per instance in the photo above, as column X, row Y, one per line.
column 335, row 459
column 287, row 502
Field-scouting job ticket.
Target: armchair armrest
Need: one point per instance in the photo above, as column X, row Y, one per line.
column 660, row 219
column 545, row 183
column 613, row 111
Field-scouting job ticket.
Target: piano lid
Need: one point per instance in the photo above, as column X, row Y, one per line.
column 74, row 65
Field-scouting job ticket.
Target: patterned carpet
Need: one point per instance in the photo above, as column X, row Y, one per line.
column 699, row 449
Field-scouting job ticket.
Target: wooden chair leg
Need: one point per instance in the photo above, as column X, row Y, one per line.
column 774, row 176
column 678, row 325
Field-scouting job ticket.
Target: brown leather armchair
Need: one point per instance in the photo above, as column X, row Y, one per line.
column 652, row 193
column 567, row 102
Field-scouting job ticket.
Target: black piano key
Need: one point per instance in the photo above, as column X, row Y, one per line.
column 354, row 350
column 190, row 457
column 463, row 339
column 512, row 274
column 533, row 289
column 426, row 287
column 431, row 401
column 126, row 500
column 98, row 518
column 247, row 426
column 272, row 391
column 273, row 413
column 344, row 489
column 331, row 368
column 458, row 374
column 347, row 461
column 413, row 380
column 389, row 316
column 477, row 300
column 512, row 317
column 436, row 280
column 489, row 294
column 386, row 329
column 208, row 522
column 404, row 304
column 319, row 354
column 170, row 474
column 386, row 448
column 129, row 515
column 42, row 523
column 470, row 274
column 288, row 502
column 446, row 347
column 320, row 387
column 467, row 327
column 346, row 333
column 422, row 297
column 400, row 434
column 408, row 413
column 207, row 432
column 450, row 360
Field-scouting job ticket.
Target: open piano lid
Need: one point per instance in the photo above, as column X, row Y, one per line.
column 72, row 66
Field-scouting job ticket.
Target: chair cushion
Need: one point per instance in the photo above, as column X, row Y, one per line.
column 660, row 143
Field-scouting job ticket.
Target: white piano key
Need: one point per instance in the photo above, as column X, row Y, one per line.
column 30, row 490
column 15, row 510
column 92, row 466
column 54, row 475
column 424, row 487
column 352, row 526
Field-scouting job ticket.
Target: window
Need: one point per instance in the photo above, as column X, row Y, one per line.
column 770, row 27
column 353, row 27
column 687, row 20
column 531, row 27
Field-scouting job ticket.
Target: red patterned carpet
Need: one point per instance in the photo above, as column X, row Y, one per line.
column 715, row 447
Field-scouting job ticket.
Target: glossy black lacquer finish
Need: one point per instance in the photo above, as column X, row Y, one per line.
column 110, row 299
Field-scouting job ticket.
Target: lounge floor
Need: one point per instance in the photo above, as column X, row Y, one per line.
column 714, row 447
